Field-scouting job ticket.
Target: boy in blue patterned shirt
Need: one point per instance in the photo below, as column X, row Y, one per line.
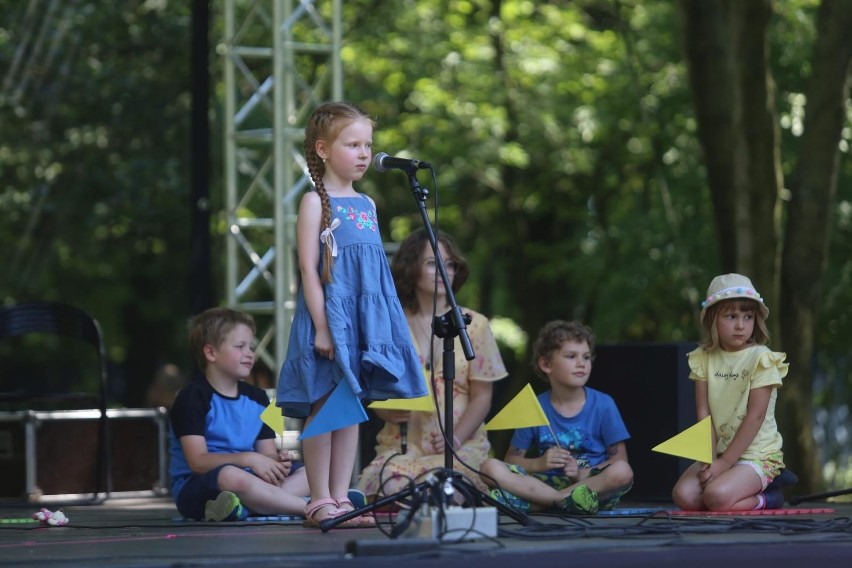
column 578, row 463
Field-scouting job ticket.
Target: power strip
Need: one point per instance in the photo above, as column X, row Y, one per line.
column 456, row 523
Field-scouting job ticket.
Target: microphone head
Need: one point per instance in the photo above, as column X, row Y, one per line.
column 378, row 161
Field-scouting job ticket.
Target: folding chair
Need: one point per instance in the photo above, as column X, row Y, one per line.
column 58, row 319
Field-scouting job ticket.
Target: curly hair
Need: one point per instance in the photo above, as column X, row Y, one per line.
column 406, row 265
column 211, row 327
column 553, row 335
column 325, row 123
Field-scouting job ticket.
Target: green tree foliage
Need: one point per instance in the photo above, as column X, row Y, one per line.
column 94, row 170
column 565, row 159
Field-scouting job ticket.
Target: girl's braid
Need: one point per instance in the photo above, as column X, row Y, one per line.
column 316, row 168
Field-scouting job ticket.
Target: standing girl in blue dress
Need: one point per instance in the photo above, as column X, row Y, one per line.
column 349, row 325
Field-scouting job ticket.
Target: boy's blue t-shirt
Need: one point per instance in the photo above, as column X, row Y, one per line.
column 229, row 424
column 587, row 435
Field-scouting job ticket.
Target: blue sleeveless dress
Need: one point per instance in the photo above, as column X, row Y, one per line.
column 373, row 351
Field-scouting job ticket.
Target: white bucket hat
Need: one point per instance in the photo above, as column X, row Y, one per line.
column 728, row 287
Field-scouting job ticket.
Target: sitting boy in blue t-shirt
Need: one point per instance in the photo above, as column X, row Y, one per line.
column 579, row 462
column 223, row 460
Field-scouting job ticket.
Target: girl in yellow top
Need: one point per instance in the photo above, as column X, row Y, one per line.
column 736, row 380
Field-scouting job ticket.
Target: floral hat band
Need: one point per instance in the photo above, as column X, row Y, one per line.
column 738, row 292
column 730, row 287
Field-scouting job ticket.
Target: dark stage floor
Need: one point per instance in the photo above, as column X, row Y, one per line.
column 146, row 532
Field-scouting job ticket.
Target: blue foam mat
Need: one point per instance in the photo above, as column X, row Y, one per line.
column 258, row 519
column 636, row 511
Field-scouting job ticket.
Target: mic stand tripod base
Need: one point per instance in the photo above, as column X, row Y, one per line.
column 480, row 500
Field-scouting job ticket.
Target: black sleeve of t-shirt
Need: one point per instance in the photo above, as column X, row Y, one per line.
column 189, row 411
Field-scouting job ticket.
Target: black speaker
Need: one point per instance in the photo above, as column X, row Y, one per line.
column 651, row 387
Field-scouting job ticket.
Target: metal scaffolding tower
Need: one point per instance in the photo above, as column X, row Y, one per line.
column 277, row 67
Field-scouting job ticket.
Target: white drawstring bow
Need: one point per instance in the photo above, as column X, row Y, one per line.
column 327, row 236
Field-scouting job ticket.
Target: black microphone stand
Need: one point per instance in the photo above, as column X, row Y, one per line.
column 447, row 326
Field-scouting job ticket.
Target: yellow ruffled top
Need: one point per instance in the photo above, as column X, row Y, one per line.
column 730, row 377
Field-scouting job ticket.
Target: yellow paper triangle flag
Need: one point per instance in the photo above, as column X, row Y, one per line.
column 421, row 403
column 695, row 443
column 273, row 418
column 523, row 411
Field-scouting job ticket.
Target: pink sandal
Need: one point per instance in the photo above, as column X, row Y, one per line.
column 365, row 520
column 314, row 507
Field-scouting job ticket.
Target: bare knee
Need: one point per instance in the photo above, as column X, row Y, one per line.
column 687, row 495
column 620, row 473
column 491, row 470
column 717, row 498
column 234, row 479
column 687, row 500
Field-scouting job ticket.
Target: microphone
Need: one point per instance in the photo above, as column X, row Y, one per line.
column 403, row 436
column 382, row 162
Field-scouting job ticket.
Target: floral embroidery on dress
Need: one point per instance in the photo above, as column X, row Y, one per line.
column 362, row 219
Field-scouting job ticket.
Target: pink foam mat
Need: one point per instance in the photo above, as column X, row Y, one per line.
column 759, row 512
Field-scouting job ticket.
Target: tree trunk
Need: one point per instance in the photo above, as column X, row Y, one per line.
column 709, row 49
column 808, row 229
column 759, row 220
column 733, row 95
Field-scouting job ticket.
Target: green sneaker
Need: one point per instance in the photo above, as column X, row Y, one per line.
column 581, row 501
column 225, row 507
column 505, row 498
